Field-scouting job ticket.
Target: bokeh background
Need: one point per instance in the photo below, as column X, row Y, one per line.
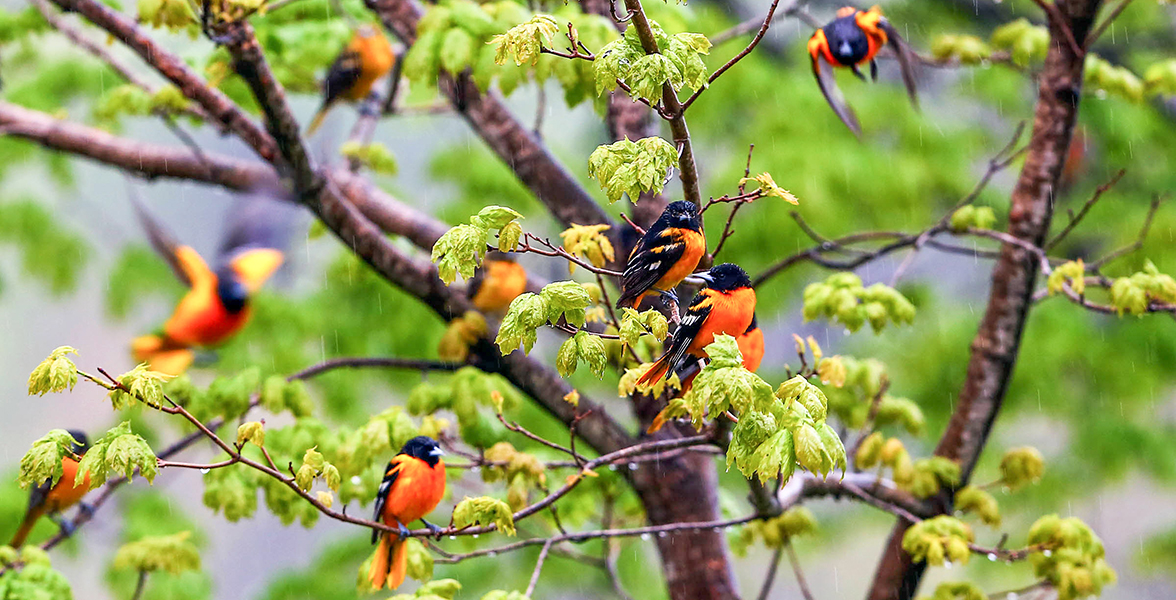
column 1096, row 394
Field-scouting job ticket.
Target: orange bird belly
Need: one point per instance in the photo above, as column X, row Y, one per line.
column 504, row 281
column 417, row 491
column 730, row 314
column 695, row 248
column 201, row 320
column 376, row 61
column 751, row 346
column 65, row 494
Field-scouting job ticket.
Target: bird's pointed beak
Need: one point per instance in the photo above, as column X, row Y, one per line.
column 704, row 277
column 437, row 452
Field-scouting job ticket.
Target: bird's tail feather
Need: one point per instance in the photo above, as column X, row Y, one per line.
column 656, row 371
column 26, row 527
column 317, row 121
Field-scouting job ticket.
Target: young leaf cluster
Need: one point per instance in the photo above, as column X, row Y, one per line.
column 523, row 42
column 441, row 589
column 1021, row 467
column 841, row 297
column 29, row 574
column 767, row 188
column 584, row 347
column 1072, row 272
column 967, row 49
column 628, row 167
column 461, row 333
column 465, row 394
column 1075, row 562
column 118, row 452
column 528, row 312
column 521, row 472
column 590, row 243
column 956, row 590
column 171, row 553
column 797, row 521
column 374, row 156
column 972, row 216
column 937, row 540
column 862, row 382
column 1133, row 294
column 677, row 62
column 974, row 500
column 140, row 384
column 56, row 373
column 43, row 460
column 1027, row 43
column 484, row 511
column 635, row 325
column 460, row 250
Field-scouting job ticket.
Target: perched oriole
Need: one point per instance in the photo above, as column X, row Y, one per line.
column 365, row 59
column 751, row 346
column 496, row 283
column 217, row 304
column 667, row 253
column 725, row 306
column 413, row 485
column 853, row 39
column 51, row 499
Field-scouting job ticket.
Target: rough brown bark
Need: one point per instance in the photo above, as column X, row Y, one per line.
column 994, row 350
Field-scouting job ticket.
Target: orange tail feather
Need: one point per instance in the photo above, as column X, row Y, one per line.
column 390, row 564
column 26, row 527
column 378, row 573
column 317, row 121
column 657, row 371
column 399, row 564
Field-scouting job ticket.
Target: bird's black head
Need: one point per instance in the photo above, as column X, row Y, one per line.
column 680, row 214
column 81, row 442
column 848, row 44
column 498, row 255
column 725, row 278
column 233, row 294
column 424, row 448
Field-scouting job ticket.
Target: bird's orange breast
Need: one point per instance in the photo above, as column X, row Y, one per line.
column 731, row 314
column 695, row 248
column 751, row 346
column 65, row 494
column 503, row 282
column 419, row 488
column 201, row 320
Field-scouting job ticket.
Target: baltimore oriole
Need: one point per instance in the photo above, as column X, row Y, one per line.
column 413, row 485
column 725, row 306
column 51, row 499
column 365, row 59
column 853, row 39
column 667, row 253
column 217, row 304
column 496, row 283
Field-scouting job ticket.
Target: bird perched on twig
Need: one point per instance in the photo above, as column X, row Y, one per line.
column 50, row 499
column 218, row 302
column 667, row 253
column 851, row 40
column 366, row 58
column 725, row 306
column 413, row 485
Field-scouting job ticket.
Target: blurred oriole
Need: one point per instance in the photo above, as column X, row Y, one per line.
column 365, row 59
column 52, row 499
column 665, row 255
column 413, row 485
column 853, row 39
column 725, row 306
column 497, row 282
column 217, row 304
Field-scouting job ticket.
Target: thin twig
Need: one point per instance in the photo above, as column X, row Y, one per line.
column 1133, row 246
column 378, row 362
column 800, row 580
column 1076, row 219
column 770, row 577
column 538, row 567
column 140, row 586
column 1106, row 22
column 1055, row 14
column 738, row 57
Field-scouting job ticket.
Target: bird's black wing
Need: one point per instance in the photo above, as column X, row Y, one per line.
column 162, row 240
column 382, row 495
column 828, row 84
column 692, row 320
column 260, row 218
column 650, row 260
column 342, row 75
column 906, row 60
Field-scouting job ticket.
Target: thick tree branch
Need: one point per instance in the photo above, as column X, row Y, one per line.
column 218, row 105
column 994, row 350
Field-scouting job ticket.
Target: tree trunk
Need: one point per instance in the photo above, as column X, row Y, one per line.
column 994, row 350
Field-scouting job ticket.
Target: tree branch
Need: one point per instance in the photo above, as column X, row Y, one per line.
column 994, row 350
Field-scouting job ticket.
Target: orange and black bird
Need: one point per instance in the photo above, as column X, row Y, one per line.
column 667, row 253
column 851, row 40
column 413, row 485
column 365, row 59
column 51, row 499
column 751, row 347
column 218, row 302
column 726, row 305
column 496, row 283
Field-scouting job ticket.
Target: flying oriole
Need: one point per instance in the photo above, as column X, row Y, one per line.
column 667, row 253
column 51, row 499
column 850, row 40
column 725, row 306
column 365, row 59
column 413, row 485
column 217, row 304
column 497, row 282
